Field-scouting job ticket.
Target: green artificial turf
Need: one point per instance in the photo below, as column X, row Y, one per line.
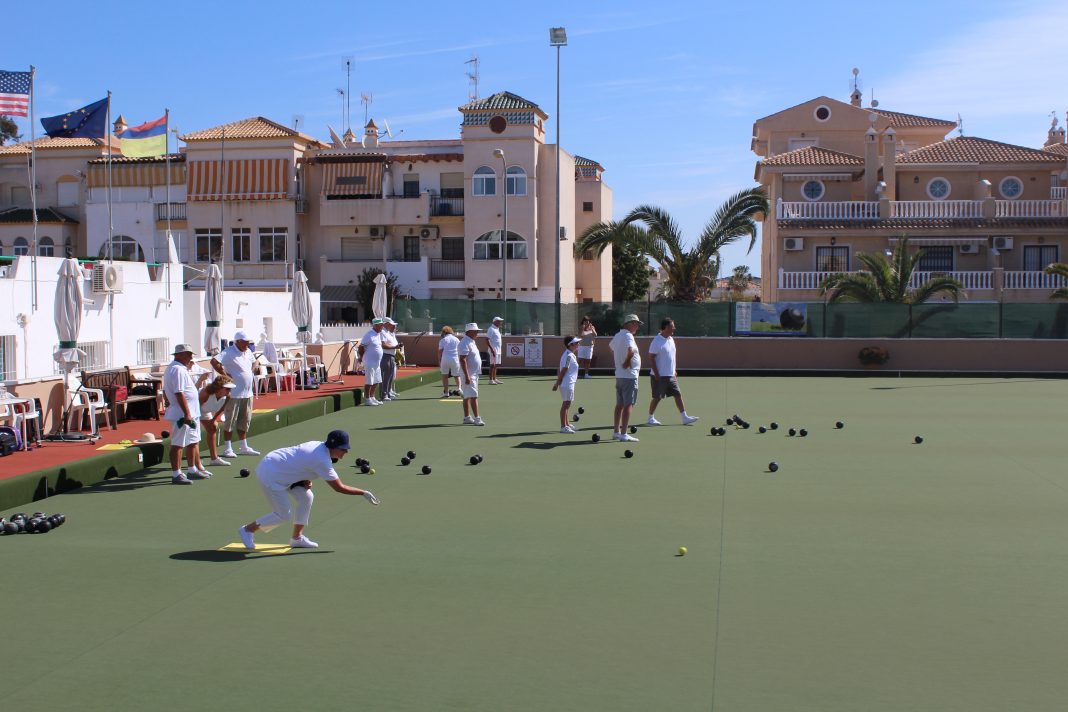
column 868, row 573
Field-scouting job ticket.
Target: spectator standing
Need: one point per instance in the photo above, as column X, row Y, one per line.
column 588, row 333
column 449, row 358
column 288, row 473
column 566, row 378
column 389, row 358
column 493, row 337
column 663, row 375
column 237, row 361
column 471, row 366
column 183, row 411
column 628, row 363
column 370, row 352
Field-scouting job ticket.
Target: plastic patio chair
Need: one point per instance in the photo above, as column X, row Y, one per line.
column 91, row 402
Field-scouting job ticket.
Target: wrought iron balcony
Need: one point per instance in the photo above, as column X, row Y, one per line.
column 442, row 207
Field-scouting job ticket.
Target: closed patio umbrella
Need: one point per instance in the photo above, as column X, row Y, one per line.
column 380, row 300
column 68, row 315
column 213, row 288
column 301, row 311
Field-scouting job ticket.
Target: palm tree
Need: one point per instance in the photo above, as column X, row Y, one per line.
column 886, row 279
column 692, row 273
column 1059, row 269
column 739, row 280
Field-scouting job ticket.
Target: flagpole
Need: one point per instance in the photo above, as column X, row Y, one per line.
column 111, row 227
column 222, row 213
column 33, row 188
column 167, row 178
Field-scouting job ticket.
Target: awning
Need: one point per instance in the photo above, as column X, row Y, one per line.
column 245, row 179
column 362, row 179
column 798, row 177
column 135, row 174
column 942, row 240
column 338, row 294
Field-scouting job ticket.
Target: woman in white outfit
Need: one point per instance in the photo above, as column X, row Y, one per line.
column 449, row 358
column 566, row 377
column 587, row 333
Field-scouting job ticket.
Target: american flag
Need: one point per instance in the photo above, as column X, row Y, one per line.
column 14, row 93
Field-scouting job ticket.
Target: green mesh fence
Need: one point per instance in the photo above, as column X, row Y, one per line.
column 843, row 320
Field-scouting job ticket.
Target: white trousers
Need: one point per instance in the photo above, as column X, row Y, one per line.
column 282, row 509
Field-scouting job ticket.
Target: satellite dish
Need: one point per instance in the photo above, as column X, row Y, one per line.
column 298, row 122
column 386, row 129
column 875, row 103
column 855, row 71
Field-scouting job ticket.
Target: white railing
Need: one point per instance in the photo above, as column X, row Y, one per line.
column 7, row 358
column 97, row 355
column 837, row 210
column 1030, row 209
column 803, row 280
column 969, row 280
column 1019, row 279
column 1058, row 193
column 152, row 351
column 925, row 209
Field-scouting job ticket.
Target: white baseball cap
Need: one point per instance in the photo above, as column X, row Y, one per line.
column 471, row 327
column 497, row 318
column 241, row 335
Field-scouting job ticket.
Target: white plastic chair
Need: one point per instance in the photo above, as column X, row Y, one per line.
column 91, row 402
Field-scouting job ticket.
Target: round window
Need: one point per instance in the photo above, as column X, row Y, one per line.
column 498, row 124
column 938, row 188
column 822, row 112
column 812, row 190
column 1011, row 187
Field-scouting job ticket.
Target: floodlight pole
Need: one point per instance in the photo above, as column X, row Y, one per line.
column 558, row 39
column 499, row 153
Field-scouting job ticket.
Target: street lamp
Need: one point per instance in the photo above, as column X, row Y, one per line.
column 499, row 153
column 558, row 39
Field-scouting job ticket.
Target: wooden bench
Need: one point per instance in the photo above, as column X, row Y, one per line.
column 138, row 390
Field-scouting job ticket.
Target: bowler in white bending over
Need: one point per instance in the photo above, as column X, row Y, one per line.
column 287, row 473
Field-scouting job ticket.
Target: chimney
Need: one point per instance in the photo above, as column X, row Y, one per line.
column 890, row 163
column 370, row 135
column 871, row 163
column 1055, row 135
column 855, row 97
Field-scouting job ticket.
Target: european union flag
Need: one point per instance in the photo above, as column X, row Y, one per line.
column 87, row 122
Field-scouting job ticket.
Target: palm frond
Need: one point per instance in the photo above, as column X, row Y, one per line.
column 934, row 287
column 851, row 287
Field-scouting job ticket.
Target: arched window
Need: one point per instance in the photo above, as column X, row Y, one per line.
column 517, row 181
column 22, row 247
column 46, row 247
column 488, row 246
column 123, row 247
column 484, row 181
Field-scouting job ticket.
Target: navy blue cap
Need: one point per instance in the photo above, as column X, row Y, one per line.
column 337, row 440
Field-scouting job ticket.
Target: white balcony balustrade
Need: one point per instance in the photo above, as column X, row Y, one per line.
column 1016, row 279
column 836, row 210
column 936, row 209
column 1030, row 209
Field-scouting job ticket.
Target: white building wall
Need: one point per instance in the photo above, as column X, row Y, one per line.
column 261, row 314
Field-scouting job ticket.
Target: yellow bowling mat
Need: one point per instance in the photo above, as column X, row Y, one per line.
column 263, row 410
column 260, row 548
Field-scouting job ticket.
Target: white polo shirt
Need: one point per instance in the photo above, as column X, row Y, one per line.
column 389, row 342
column 449, row 346
column 570, row 363
column 620, row 343
column 177, row 379
column 308, row 461
column 493, row 336
column 469, row 348
column 372, row 348
column 663, row 350
column 238, row 366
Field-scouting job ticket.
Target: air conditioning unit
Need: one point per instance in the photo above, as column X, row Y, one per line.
column 107, row 279
column 1002, row 243
column 793, row 244
column 377, row 230
column 429, row 233
column 969, row 248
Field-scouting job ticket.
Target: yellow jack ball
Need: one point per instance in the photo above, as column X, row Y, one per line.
column 682, row 551
column 372, row 471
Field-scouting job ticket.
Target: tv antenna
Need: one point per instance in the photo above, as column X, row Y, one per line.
column 298, row 122
column 366, row 99
column 856, row 86
column 348, row 92
column 341, row 93
column 960, row 125
column 472, row 78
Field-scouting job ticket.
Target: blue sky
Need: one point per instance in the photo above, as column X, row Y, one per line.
column 663, row 94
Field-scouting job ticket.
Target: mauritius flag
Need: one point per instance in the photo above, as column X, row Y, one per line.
column 148, row 139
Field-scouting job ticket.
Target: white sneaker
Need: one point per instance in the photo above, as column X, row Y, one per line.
column 371, row 402
column 219, row 462
column 228, row 452
column 628, row 438
column 393, row 395
column 445, row 394
column 195, row 474
column 690, row 419
column 303, row 542
column 248, row 451
column 247, row 539
column 567, row 429
column 479, row 421
column 653, row 421
column 617, row 436
column 468, row 420
column 180, row 479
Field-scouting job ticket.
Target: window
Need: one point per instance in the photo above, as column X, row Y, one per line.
column 1011, row 188
column 273, row 244
column 123, row 247
column 587, row 206
column 938, row 189
column 812, row 190
column 7, row 358
column 488, row 246
column 20, row 196
column 796, row 143
column 832, row 259
column 452, row 185
column 822, row 112
column 452, row 248
column 936, row 258
column 21, row 247
column 484, row 182
column 498, row 124
column 411, row 185
column 517, row 181
column 411, row 248
column 46, row 247
column 150, row 351
column 208, row 245
column 241, row 241
column 355, row 249
column 1038, row 257
column 96, row 356
column 588, row 255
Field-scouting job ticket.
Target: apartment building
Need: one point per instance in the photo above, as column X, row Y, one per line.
column 844, row 179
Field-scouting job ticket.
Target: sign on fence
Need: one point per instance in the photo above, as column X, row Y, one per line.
column 532, row 356
column 771, row 319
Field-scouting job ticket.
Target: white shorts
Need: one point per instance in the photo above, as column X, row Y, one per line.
column 451, row 367
column 585, row 352
column 470, row 390
column 372, row 374
column 180, row 437
column 567, row 391
column 495, row 358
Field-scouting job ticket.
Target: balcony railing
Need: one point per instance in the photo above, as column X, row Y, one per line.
column 1058, row 193
column 452, row 270
column 176, row 211
column 442, row 207
column 812, row 280
column 1032, row 280
column 936, row 209
column 1030, row 209
column 923, row 209
column 838, row 210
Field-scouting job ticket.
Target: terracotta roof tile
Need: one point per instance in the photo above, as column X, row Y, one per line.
column 253, row 127
column 813, row 156
column 502, row 101
column 1061, row 149
column 47, row 142
column 899, row 120
column 44, row 215
column 175, row 158
column 582, row 162
column 971, row 149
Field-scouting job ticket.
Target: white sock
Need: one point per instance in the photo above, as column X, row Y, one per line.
column 177, row 473
column 684, row 414
column 244, row 443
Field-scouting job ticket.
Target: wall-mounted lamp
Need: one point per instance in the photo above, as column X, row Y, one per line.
column 241, row 304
